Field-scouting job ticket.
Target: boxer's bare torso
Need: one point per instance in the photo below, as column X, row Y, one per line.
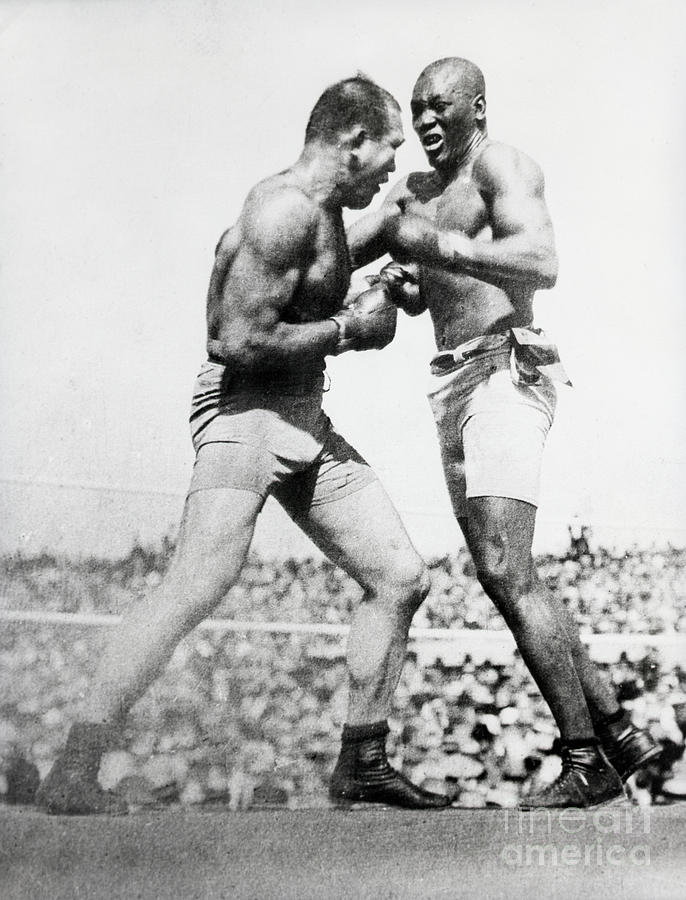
column 475, row 202
column 283, row 270
column 476, row 225
column 285, row 260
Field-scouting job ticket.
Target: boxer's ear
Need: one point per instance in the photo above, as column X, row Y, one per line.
column 353, row 139
column 352, row 142
column 357, row 137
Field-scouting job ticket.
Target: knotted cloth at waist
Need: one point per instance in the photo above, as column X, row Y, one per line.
column 532, row 354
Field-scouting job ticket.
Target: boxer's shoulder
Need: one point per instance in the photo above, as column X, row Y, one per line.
column 498, row 163
column 280, row 194
column 276, row 210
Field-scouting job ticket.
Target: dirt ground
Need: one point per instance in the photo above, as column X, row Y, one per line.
column 612, row 852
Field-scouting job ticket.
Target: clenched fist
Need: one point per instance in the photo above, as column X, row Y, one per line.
column 368, row 323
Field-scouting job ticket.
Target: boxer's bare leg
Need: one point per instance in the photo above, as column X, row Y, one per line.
column 499, row 534
column 213, row 541
column 628, row 748
column 600, row 697
column 363, row 534
column 598, row 694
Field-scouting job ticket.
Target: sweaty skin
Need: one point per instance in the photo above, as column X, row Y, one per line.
column 279, row 274
column 284, row 268
column 476, row 235
column 477, row 224
column 283, row 264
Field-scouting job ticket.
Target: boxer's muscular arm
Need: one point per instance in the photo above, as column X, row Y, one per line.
column 367, row 237
column 261, row 273
column 368, row 240
column 224, row 254
column 522, row 250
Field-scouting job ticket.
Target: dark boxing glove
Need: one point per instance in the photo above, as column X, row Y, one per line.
column 368, row 323
column 402, row 284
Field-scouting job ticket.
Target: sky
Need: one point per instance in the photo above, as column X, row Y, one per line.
column 130, row 135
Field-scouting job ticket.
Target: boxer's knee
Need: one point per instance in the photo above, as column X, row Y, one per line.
column 509, row 580
column 406, row 589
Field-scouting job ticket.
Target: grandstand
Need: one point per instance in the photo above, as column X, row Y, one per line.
column 250, row 708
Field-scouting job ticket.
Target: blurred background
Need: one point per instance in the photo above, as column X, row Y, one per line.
column 252, row 717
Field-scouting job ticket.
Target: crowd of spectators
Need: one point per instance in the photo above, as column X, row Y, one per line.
column 253, row 719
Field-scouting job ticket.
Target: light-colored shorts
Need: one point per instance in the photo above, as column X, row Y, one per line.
column 491, row 431
column 270, row 439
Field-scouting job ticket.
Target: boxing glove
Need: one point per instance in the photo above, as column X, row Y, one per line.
column 368, row 323
column 402, row 284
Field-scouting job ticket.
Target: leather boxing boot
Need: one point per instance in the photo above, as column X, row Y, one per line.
column 71, row 787
column 587, row 779
column 364, row 775
column 628, row 748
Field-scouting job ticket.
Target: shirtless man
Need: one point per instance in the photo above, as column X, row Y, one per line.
column 478, row 242
column 277, row 306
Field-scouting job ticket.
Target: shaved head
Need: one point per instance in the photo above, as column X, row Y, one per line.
column 449, row 110
column 459, row 71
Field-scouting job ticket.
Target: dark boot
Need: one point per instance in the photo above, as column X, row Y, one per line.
column 628, row 748
column 587, row 779
column 71, row 786
column 364, row 775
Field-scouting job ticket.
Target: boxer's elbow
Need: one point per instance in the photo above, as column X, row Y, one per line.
column 257, row 350
column 242, row 347
column 262, row 348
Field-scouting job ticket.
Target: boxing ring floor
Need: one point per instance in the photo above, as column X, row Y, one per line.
column 180, row 852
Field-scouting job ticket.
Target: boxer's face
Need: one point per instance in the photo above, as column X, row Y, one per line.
column 374, row 161
column 443, row 115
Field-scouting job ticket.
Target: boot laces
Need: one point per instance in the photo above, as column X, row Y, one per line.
column 567, row 774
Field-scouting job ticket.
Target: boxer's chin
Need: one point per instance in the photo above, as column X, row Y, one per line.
column 363, row 199
column 437, row 157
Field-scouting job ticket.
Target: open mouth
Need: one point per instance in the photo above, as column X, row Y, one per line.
column 432, row 142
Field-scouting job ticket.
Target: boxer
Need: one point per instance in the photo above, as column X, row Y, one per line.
column 277, row 306
column 474, row 240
